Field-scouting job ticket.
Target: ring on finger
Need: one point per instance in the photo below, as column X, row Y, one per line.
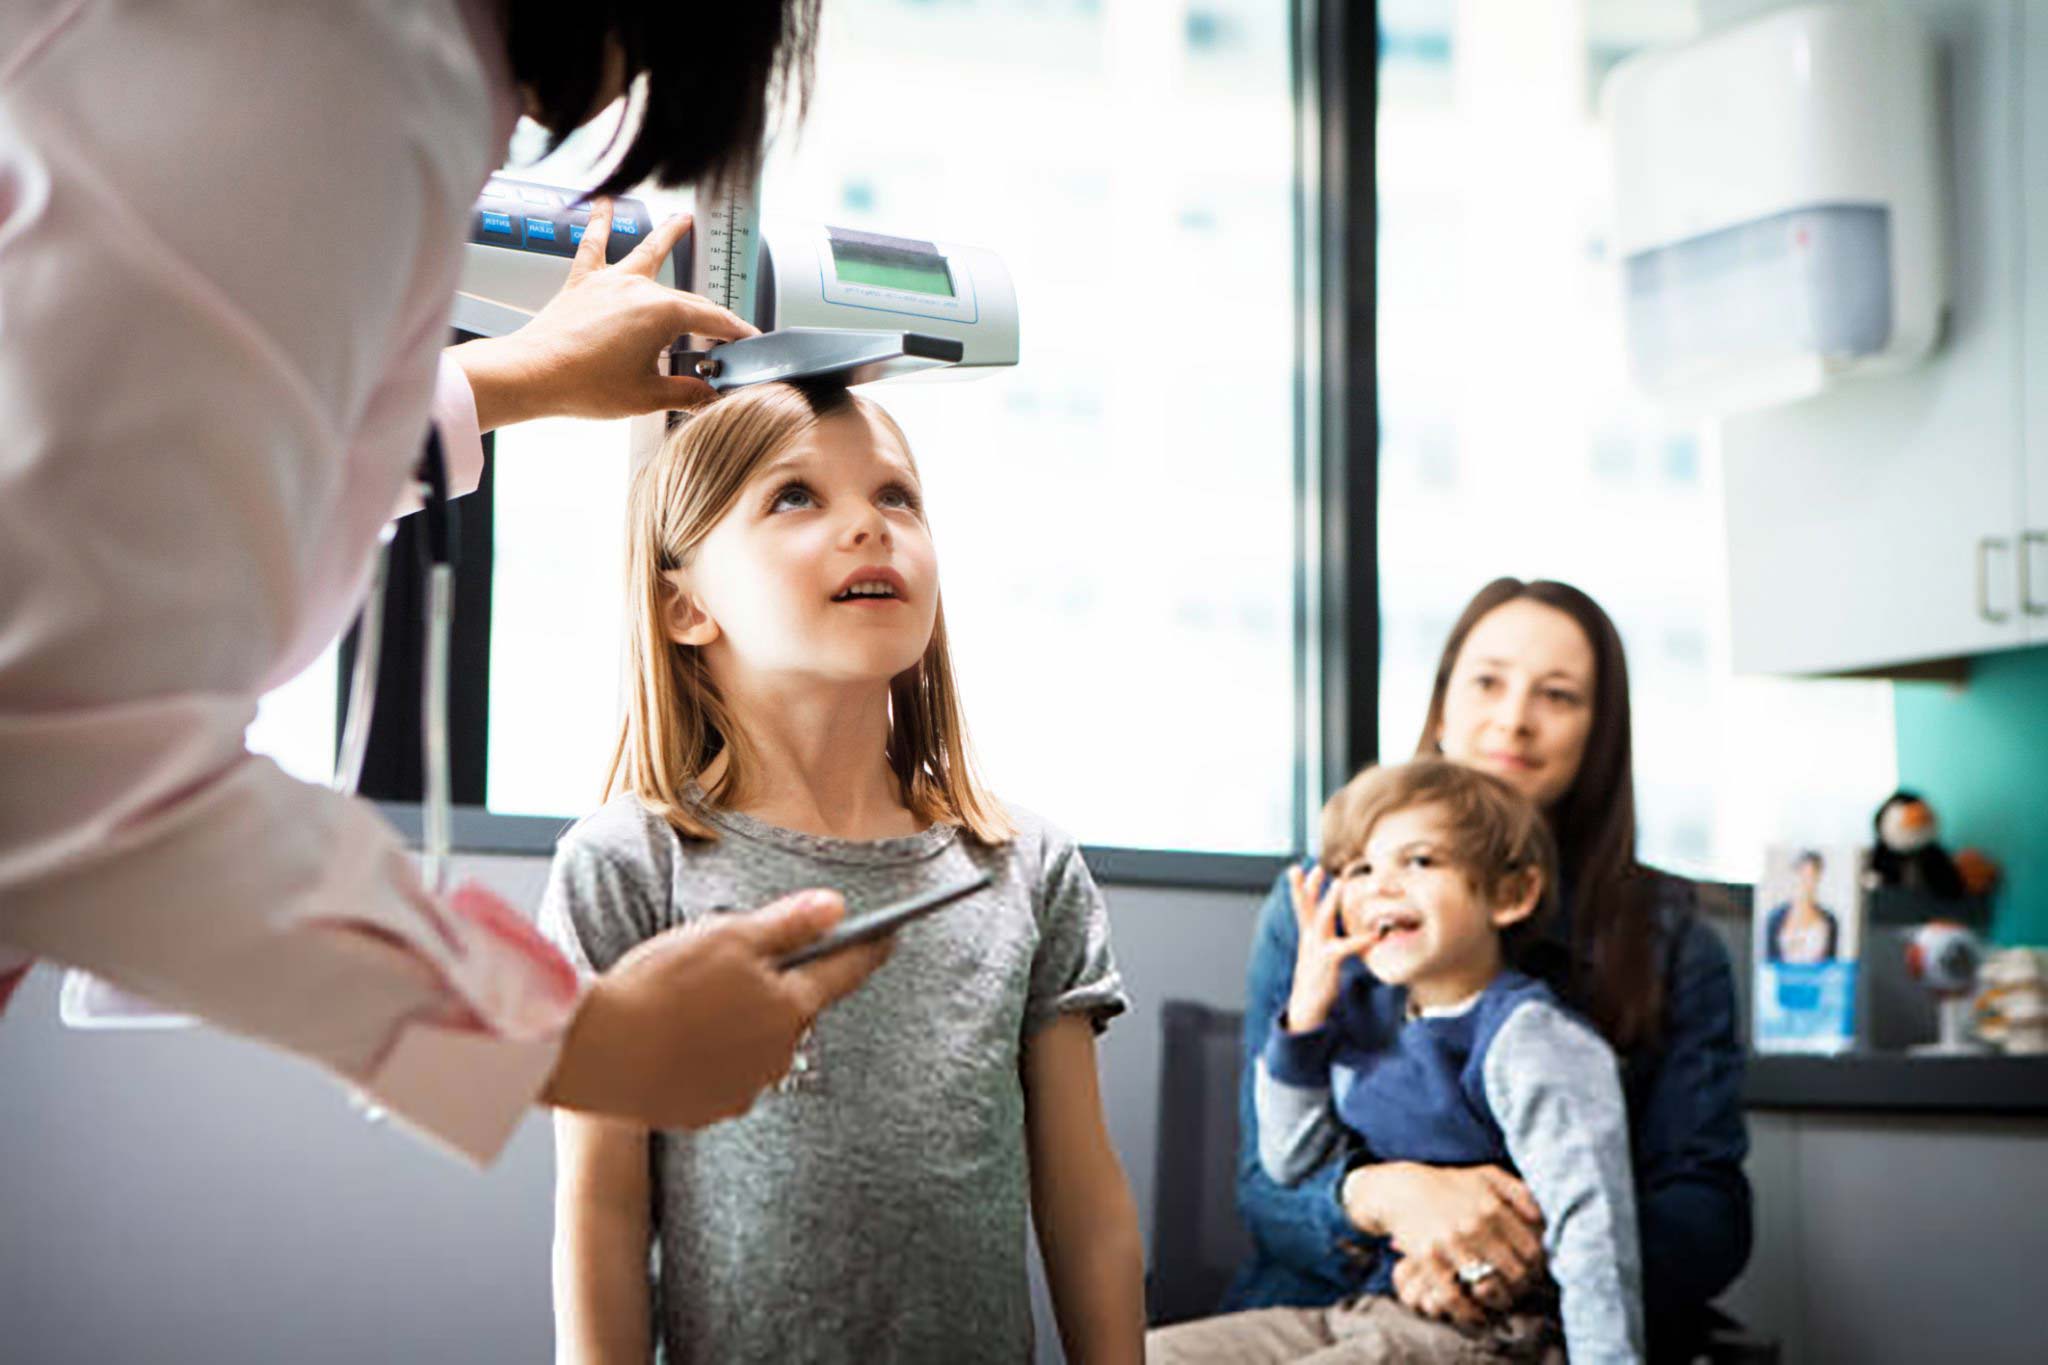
column 1476, row 1272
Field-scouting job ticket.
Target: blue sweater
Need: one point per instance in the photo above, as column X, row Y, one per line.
column 1685, row 1116
column 1510, row 1079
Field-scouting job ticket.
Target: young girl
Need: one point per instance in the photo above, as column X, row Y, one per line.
column 793, row 723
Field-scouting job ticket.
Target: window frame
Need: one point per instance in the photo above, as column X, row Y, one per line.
column 1335, row 461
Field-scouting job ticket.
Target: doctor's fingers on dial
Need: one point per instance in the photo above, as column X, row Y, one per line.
column 596, row 233
column 647, row 257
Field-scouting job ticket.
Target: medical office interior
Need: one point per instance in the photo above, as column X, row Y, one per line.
column 1329, row 314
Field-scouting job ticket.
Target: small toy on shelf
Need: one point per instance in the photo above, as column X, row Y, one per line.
column 1908, row 853
column 1943, row 957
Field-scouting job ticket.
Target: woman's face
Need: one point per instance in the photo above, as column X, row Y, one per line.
column 1519, row 703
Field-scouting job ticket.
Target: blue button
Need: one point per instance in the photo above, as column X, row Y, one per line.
column 540, row 230
column 575, row 234
column 499, row 223
column 627, row 226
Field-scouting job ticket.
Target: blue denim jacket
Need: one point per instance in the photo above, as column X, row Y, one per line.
column 1685, row 1115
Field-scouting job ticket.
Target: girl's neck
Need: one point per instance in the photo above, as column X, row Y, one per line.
column 822, row 756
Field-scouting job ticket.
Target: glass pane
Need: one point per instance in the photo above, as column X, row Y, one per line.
column 1114, row 516
column 557, row 614
column 1511, row 443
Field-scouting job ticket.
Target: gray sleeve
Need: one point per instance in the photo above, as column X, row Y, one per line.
column 1073, row 971
column 603, row 897
column 1297, row 1127
column 1555, row 1090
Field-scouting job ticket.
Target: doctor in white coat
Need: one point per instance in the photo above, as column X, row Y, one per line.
column 228, row 238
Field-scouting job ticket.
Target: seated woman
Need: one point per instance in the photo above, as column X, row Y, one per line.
column 1532, row 687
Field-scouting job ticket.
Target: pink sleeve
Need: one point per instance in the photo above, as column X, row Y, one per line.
column 455, row 416
column 180, row 527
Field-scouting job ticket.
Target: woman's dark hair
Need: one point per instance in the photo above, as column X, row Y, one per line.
column 710, row 75
column 1613, row 928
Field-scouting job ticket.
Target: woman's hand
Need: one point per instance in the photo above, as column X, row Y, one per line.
column 1441, row 1218
column 692, row 1024
column 1320, row 950
column 591, row 352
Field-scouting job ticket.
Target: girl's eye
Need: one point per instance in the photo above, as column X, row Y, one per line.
column 792, row 497
column 1422, row 860
column 899, row 497
column 1485, row 682
column 1562, row 697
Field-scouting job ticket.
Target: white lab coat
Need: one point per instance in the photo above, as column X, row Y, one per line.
column 229, row 232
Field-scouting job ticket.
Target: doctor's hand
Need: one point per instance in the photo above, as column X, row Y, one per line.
column 691, row 1025
column 1442, row 1218
column 591, row 351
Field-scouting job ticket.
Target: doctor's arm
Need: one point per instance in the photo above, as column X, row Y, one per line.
column 1080, row 1202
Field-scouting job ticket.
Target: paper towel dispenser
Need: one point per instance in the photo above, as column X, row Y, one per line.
column 1778, row 206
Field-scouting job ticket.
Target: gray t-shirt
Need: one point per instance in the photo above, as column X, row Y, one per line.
column 874, row 1208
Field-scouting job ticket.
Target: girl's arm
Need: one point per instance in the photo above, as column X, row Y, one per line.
column 1087, row 1221
column 602, row 1229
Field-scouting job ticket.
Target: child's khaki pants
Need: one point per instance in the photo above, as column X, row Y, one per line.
column 1367, row 1330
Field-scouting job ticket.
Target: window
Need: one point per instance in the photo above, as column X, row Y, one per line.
column 1115, row 517
column 1512, row 445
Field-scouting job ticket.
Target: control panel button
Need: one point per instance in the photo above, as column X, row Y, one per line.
column 498, row 227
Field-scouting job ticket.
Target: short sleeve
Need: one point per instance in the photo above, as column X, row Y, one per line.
column 1073, row 971
column 599, row 904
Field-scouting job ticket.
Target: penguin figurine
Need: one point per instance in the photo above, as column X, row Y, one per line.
column 1907, row 854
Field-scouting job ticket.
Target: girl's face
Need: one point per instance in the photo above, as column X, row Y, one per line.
column 1519, row 703
column 823, row 567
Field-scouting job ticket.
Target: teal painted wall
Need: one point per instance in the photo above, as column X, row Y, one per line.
column 1979, row 753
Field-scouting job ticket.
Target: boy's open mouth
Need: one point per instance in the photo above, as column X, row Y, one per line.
column 1387, row 923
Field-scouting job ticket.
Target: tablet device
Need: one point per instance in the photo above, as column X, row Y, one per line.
column 875, row 923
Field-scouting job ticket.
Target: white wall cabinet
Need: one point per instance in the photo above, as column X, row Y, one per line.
column 2030, row 551
column 1882, row 523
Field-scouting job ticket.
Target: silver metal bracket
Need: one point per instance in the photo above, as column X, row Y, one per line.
column 815, row 353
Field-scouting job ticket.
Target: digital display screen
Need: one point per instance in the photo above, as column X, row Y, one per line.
column 888, row 267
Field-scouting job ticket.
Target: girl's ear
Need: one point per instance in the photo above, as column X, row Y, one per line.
column 1526, row 895
column 683, row 618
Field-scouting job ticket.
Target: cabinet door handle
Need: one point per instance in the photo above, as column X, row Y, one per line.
column 2028, row 540
column 1985, row 545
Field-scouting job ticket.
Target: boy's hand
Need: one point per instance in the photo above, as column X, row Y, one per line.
column 691, row 1025
column 1320, row 951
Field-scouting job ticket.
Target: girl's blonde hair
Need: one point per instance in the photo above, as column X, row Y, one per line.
column 676, row 722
